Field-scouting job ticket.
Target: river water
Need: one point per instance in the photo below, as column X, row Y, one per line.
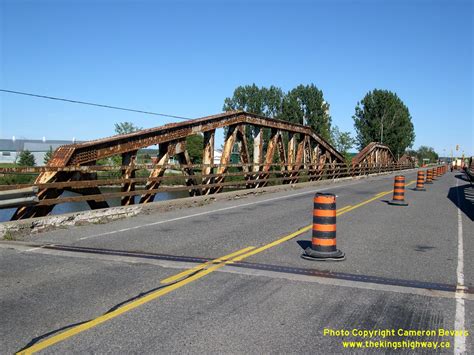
column 6, row 214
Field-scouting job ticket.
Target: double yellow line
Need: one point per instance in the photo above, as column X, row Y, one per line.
column 203, row 271
column 183, row 278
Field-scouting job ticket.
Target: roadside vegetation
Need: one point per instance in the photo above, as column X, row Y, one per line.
column 424, row 153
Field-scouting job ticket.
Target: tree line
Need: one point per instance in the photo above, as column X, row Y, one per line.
column 381, row 116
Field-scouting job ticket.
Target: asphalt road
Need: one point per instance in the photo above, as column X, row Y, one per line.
column 402, row 271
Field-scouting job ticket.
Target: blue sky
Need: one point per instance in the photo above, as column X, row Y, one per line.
column 185, row 57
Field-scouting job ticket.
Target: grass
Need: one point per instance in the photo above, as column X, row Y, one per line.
column 8, row 236
column 14, row 179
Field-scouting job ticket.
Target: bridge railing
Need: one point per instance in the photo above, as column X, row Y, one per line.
column 93, row 183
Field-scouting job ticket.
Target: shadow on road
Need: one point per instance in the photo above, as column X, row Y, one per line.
column 114, row 308
column 423, row 248
column 304, row 244
column 462, row 177
column 466, row 198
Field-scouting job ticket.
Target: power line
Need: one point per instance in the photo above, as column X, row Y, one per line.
column 93, row 104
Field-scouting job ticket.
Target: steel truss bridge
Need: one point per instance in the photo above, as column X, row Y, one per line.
column 270, row 152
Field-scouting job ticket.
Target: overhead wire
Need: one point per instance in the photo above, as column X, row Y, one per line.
column 93, row 104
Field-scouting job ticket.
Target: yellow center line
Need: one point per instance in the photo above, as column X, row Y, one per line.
column 307, row 228
column 128, row 307
column 342, row 209
column 270, row 245
column 203, row 266
column 195, row 273
column 373, row 199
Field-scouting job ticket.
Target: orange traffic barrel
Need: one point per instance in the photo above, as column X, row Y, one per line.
column 420, row 181
column 429, row 176
column 323, row 242
column 399, row 191
column 434, row 176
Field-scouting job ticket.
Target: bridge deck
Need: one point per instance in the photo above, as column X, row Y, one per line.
column 400, row 272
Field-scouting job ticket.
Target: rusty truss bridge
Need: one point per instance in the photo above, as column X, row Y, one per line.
column 270, row 152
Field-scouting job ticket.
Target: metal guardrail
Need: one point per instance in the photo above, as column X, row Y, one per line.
column 196, row 183
column 19, row 197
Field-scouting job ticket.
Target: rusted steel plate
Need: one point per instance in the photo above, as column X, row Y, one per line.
column 90, row 151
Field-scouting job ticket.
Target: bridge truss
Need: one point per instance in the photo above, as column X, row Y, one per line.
column 287, row 147
column 374, row 154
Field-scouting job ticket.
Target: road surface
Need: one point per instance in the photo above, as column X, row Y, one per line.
column 228, row 277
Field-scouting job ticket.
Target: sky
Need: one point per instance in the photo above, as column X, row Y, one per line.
column 185, row 57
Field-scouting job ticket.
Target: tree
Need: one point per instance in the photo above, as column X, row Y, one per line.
column 306, row 105
column 194, row 146
column 48, row 155
column 425, row 152
column 382, row 117
column 342, row 141
column 126, row 127
column 259, row 100
column 251, row 98
column 26, row 158
column 120, row 128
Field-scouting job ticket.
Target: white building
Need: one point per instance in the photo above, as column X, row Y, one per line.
column 217, row 156
column 10, row 149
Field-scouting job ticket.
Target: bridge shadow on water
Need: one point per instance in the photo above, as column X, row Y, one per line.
column 463, row 197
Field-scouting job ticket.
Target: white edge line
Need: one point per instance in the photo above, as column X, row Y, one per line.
column 213, row 211
column 459, row 319
column 33, row 249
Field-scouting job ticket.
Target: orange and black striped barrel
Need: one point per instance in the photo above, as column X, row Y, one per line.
column 429, row 176
column 324, row 223
column 434, row 176
column 438, row 171
column 323, row 240
column 420, row 181
column 399, row 191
